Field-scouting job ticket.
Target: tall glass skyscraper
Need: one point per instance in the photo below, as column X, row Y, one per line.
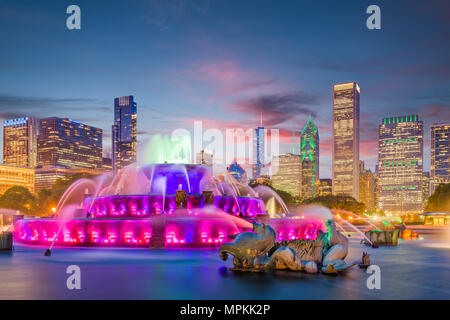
column 259, row 147
column 309, row 151
column 124, row 132
column 400, row 164
column 345, row 169
column 20, row 142
column 440, row 155
column 68, row 143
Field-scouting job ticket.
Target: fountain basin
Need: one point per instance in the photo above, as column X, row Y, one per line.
column 137, row 206
column 176, row 207
column 6, row 241
column 383, row 237
column 293, row 228
column 178, row 231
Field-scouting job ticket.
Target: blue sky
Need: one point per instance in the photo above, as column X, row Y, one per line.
column 225, row 62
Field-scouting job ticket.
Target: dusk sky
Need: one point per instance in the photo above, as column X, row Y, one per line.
column 226, row 62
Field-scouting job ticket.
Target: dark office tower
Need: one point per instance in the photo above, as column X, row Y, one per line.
column 346, row 139
column 440, row 155
column 20, row 142
column 68, row 143
column 124, row 138
column 309, row 150
column 400, row 167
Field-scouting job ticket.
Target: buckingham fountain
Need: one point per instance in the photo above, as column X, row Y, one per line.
column 178, row 205
column 183, row 206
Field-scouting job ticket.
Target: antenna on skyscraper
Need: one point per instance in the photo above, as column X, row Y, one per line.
column 293, row 137
column 261, row 119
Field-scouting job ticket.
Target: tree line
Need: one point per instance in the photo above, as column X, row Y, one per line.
column 40, row 204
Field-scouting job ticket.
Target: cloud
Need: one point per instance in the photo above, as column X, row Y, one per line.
column 352, row 66
column 24, row 101
column 435, row 111
column 16, row 106
column 385, row 66
column 277, row 108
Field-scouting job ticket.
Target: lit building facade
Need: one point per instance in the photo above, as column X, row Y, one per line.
column 11, row 176
column 400, row 165
column 259, row 153
column 45, row 177
column 309, row 151
column 367, row 187
column 425, row 188
column 288, row 177
column 325, row 187
column 440, row 155
column 20, row 142
column 345, row 167
column 107, row 164
column 124, row 132
column 68, row 143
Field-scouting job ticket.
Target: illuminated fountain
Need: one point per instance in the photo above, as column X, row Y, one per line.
column 160, row 205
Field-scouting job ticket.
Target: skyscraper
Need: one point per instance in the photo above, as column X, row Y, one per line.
column 325, row 187
column 289, row 174
column 124, row 132
column 367, row 187
column 68, row 143
column 425, row 188
column 400, row 167
column 440, row 155
column 345, row 169
column 20, row 142
column 259, row 147
column 309, row 151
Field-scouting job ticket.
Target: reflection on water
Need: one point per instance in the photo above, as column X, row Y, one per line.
column 441, row 240
column 200, row 274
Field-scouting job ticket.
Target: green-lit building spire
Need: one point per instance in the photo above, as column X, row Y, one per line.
column 309, row 151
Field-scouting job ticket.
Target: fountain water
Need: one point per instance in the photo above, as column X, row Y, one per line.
column 355, row 229
column 265, row 191
column 73, row 190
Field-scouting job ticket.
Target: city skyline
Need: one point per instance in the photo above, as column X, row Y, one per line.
column 186, row 67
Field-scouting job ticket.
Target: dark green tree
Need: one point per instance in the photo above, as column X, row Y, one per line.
column 19, row 198
column 440, row 199
column 338, row 202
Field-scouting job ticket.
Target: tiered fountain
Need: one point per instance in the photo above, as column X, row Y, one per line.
column 160, row 205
